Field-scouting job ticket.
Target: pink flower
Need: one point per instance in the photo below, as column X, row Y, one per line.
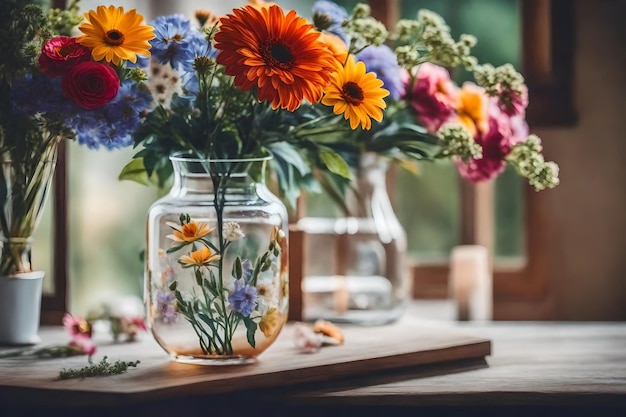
column 61, row 54
column 76, row 325
column 83, row 344
column 514, row 103
column 305, row 339
column 433, row 96
column 503, row 132
column 132, row 325
column 91, row 84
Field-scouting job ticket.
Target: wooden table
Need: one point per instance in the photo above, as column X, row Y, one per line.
column 533, row 369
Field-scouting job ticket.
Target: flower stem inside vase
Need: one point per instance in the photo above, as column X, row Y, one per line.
column 18, row 255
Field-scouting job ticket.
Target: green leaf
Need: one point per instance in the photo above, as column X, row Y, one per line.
column 175, row 248
column 135, row 171
column 335, row 163
column 285, row 152
column 237, row 268
column 251, row 327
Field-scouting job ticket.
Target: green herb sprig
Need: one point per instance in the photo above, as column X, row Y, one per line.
column 102, row 368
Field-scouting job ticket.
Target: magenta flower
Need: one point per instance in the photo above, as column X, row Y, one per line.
column 514, row 103
column 503, row 132
column 82, row 344
column 61, row 54
column 433, row 96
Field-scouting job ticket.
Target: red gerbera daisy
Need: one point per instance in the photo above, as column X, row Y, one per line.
column 281, row 55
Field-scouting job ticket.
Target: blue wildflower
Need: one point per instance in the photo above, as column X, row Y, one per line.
column 243, row 299
column 198, row 46
column 336, row 14
column 382, row 61
column 166, row 308
column 173, row 39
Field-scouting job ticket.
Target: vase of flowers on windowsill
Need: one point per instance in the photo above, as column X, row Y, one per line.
column 480, row 126
column 53, row 87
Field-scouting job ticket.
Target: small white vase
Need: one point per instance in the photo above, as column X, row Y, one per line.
column 20, row 305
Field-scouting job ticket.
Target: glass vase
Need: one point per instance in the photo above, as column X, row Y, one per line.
column 24, row 187
column 364, row 278
column 216, row 285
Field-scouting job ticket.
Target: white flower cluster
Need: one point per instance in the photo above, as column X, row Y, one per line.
column 458, row 141
column 495, row 80
column 363, row 29
column 527, row 159
column 430, row 34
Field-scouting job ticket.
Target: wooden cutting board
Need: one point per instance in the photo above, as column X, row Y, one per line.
column 367, row 350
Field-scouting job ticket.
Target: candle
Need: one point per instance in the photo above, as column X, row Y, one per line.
column 470, row 282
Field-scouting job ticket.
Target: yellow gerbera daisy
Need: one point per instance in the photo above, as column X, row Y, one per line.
column 281, row 56
column 189, row 232
column 114, row 35
column 202, row 256
column 356, row 94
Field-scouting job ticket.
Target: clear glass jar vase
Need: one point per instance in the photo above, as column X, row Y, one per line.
column 364, row 277
column 217, row 262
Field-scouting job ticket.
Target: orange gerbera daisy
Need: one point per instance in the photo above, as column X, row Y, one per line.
column 114, row 35
column 202, row 256
column 280, row 55
column 472, row 108
column 356, row 94
column 189, row 232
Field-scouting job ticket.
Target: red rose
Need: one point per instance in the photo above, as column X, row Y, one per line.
column 61, row 54
column 91, row 84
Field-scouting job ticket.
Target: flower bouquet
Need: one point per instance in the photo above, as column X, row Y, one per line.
column 54, row 86
column 480, row 126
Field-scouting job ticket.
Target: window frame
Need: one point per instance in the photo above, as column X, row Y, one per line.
column 547, row 65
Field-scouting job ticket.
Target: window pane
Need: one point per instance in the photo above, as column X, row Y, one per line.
column 509, row 216
column 107, row 227
column 428, row 207
column 42, row 250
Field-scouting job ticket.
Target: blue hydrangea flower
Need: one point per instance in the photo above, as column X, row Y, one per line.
column 40, row 94
column 125, row 108
column 243, row 299
column 337, row 16
column 173, row 39
column 382, row 61
column 111, row 126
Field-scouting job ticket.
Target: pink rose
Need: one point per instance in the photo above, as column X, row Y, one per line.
column 502, row 133
column 61, row 54
column 433, row 96
column 91, row 84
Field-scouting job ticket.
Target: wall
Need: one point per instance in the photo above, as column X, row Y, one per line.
column 587, row 211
